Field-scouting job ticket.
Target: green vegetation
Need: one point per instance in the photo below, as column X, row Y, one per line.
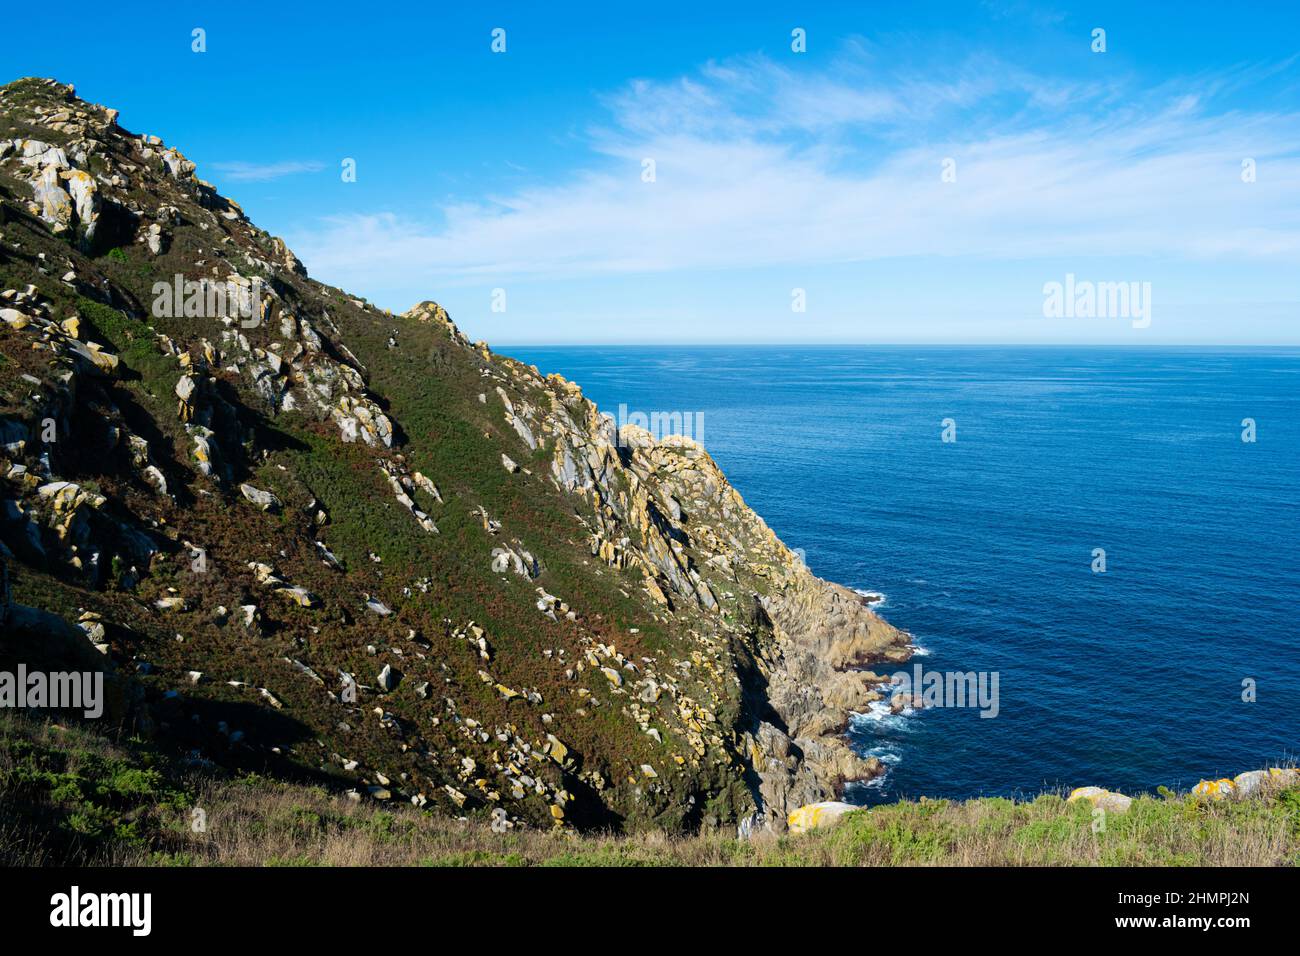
column 78, row 795
column 429, row 382
column 134, row 344
column 103, row 803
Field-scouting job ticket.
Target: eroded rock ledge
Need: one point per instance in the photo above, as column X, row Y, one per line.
column 823, row 635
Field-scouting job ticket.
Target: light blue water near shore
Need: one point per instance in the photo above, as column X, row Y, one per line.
column 983, row 547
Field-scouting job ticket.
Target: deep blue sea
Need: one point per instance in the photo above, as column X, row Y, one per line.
column 984, row 546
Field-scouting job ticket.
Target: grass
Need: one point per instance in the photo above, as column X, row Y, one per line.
column 134, row 344
column 68, row 795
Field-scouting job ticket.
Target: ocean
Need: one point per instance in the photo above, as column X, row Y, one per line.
column 985, row 546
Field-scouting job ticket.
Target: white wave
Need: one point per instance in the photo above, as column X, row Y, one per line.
column 875, row 783
column 889, row 757
column 887, row 754
column 874, row 598
column 878, row 715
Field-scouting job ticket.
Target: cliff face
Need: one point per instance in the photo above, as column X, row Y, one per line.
column 335, row 541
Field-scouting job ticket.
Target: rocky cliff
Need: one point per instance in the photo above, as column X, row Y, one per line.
column 333, row 541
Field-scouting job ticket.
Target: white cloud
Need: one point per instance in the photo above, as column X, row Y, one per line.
column 760, row 165
column 243, row 172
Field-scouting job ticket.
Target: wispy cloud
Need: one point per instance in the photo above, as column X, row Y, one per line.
column 243, row 172
column 761, row 164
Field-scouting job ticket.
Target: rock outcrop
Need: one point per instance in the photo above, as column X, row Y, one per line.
column 816, row 816
column 248, row 475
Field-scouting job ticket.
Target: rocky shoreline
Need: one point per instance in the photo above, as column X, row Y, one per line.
column 811, row 639
column 823, row 637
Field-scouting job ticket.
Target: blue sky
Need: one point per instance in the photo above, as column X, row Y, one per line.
column 774, row 170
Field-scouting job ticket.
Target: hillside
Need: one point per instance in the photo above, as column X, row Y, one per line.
column 325, row 543
column 68, row 795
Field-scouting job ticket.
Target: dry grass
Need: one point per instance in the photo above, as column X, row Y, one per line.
column 260, row 825
column 265, row 824
column 146, row 817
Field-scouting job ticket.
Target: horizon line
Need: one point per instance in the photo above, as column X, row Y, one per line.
column 901, row 345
